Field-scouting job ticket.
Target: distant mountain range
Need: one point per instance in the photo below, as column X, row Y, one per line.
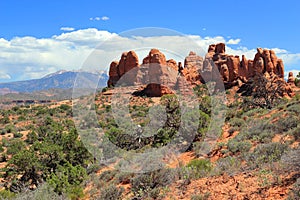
column 58, row 80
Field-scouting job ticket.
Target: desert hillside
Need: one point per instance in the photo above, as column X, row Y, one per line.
column 218, row 127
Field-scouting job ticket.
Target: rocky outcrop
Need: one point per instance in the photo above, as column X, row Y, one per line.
column 266, row 61
column 113, row 73
column 193, row 65
column 160, row 76
column 129, row 60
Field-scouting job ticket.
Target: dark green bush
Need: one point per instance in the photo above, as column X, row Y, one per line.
column 18, row 135
column 15, row 146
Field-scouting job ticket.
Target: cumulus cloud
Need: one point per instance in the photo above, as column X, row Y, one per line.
column 30, row 57
column 67, row 28
column 103, row 18
column 234, row 41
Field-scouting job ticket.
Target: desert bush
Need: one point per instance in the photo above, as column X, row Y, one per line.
column 10, row 128
column 238, row 146
column 291, row 160
column 108, row 175
column 232, row 130
column 6, row 194
column 267, row 153
column 259, row 130
column 237, row 122
column 204, row 196
column 111, row 192
column 43, row 192
column 3, row 132
column 199, row 168
column 295, row 107
column 15, row 146
column 295, row 132
column 148, row 184
column 18, row 135
column 124, row 177
column 1, row 148
column 294, row 193
column 31, row 137
column 287, row 123
column 5, row 120
column 228, row 165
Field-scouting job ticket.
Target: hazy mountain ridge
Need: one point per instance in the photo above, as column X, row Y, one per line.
column 58, row 80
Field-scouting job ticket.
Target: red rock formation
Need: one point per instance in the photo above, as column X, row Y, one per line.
column 155, row 56
column 291, row 79
column 280, row 68
column 173, row 64
column 129, row 60
column 183, row 86
column 157, row 90
column 113, row 73
column 193, row 60
column 160, row 76
column 243, row 71
column 233, row 63
column 193, row 65
column 220, row 48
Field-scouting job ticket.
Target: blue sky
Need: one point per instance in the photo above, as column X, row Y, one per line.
column 268, row 24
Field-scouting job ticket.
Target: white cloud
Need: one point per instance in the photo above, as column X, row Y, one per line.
column 67, row 28
column 30, row 57
column 103, row 18
column 233, row 41
column 4, row 76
